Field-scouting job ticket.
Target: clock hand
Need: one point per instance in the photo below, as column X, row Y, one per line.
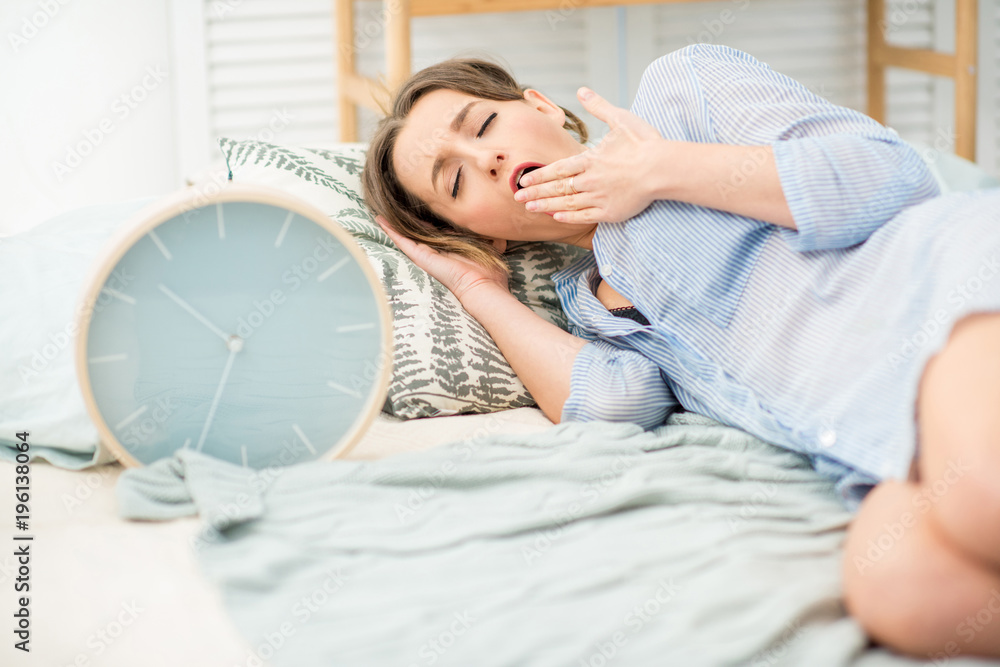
column 201, row 318
column 235, row 345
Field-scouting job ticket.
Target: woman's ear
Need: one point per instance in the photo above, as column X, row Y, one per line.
column 500, row 244
column 538, row 101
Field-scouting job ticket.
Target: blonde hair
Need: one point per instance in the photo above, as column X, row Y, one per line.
column 382, row 189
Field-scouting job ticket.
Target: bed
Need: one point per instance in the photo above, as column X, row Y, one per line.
column 457, row 539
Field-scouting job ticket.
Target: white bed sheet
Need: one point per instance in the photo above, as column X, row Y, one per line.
column 94, row 575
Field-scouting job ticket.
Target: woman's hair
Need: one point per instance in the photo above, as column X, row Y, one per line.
column 383, row 191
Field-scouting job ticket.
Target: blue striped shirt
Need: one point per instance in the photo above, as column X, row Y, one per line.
column 762, row 327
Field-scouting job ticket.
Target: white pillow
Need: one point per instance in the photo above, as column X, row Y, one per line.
column 954, row 173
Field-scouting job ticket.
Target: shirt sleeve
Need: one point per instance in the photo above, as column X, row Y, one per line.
column 843, row 173
column 610, row 383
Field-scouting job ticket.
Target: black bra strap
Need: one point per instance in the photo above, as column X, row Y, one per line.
column 631, row 313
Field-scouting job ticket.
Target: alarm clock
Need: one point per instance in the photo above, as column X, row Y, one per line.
column 245, row 325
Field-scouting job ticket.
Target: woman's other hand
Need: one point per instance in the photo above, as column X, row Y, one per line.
column 458, row 274
column 611, row 182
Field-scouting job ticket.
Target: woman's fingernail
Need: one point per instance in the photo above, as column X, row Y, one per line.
column 531, row 205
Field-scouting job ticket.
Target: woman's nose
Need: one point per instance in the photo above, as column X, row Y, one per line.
column 494, row 163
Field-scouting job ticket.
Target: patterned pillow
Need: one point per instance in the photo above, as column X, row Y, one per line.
column 444, row 362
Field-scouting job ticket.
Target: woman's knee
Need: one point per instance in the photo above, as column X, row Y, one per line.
column 905, row 582
column 878, row 568
column 964, row 502
column 895, row 569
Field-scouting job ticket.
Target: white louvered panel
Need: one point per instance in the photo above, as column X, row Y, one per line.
column 271, row 70
column 216, row 10
column 909, row 107
column 265, row 52
column 240, row 28
column 267, row 95
column 304, row 69
column 820, row 43
column 910, row 23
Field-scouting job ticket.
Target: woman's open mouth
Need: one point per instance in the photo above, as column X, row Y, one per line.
column 522, row 169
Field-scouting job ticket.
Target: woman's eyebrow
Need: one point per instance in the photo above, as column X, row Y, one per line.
column 456, row 125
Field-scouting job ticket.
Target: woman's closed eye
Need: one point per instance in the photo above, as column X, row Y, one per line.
column 486, row 124
column 458, row 176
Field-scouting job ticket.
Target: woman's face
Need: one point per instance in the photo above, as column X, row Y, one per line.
column 462, row 155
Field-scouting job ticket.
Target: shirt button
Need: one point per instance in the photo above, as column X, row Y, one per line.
column 828, row 437
column 609, row 270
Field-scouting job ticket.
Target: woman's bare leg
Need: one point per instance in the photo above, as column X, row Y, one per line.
column 922, row 558
column 959, row 421
column 912, row 590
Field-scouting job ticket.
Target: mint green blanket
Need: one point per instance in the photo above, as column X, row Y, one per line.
column 585, row 545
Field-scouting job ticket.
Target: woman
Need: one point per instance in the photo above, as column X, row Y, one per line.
column 761, row 256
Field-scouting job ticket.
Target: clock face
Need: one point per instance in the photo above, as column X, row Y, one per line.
column 243, row 329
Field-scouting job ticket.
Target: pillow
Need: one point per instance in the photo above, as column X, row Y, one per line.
column 954, row 173
column 444, row 362
column 41, row 276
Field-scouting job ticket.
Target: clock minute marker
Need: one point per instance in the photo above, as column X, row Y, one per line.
column 342, row 388
column 108, row 357
column 125, row 422
column 329, row 272
column 159, row 244
column 302, row 436
column 284, row 229
column 119, row 295
column 222, row 222
column 354, row 327
column 243, row 450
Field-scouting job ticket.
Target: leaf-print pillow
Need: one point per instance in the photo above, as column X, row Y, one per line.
column 444, row 362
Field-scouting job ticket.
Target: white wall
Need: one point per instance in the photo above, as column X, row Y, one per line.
column 86, row 112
